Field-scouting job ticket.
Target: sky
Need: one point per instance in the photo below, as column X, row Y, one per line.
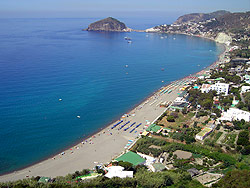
column 133, row 8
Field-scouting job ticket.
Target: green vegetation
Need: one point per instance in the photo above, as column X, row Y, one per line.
column 203, row 99
column 142, row 178
column 218, row 136
column 235, row 178
column 243, row 142
column 246, row 104
column 170, row 119
column 180, row 119
column 243, row 53
column 230, row 139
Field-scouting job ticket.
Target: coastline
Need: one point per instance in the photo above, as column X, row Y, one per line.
column 44, row 166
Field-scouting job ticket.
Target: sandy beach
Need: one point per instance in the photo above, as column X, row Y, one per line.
column 109, row 143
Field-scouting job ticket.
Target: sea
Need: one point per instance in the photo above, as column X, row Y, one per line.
column 51, row 72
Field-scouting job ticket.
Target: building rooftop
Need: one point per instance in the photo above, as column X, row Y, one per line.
column 158, row 167
column 153, row 128
column 204, row 131
column 132, row 158
column 183, row 154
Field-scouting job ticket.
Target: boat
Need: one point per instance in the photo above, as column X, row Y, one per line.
column 127, row 38
column 78, row 116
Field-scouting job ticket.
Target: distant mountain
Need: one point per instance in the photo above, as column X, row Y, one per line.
column 108, row 24
column 200, row 17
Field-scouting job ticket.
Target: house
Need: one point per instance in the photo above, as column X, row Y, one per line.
column 117, row 171
column 218, row 87
column 204, row 133
column 245, row 89
column 132, row 158
column 247, row 79
column 235, row 114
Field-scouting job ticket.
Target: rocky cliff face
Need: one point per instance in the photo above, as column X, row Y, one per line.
column 108, row 24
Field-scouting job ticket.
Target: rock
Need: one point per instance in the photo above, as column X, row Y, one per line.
column 108, row 24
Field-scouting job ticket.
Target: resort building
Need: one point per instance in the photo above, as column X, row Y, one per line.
column 204, row 133
column 235, row 114
column 220, row 88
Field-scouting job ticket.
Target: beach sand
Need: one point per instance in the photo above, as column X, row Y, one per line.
column 107, row 144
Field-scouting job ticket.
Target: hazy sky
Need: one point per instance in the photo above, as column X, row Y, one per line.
column 82, row 8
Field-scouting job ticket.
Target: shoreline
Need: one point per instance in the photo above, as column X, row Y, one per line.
column 74, row 147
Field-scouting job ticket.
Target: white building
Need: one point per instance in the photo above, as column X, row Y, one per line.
column 219, row 87
column 245, row 89
column 117, row 171
column 152, row 30
column 235, row 114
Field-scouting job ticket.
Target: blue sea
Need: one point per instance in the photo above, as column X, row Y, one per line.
column 44, row 60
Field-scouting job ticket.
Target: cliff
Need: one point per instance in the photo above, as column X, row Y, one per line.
column 108, row 24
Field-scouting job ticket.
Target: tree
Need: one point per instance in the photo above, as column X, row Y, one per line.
column 170, row 119
column 235, row 178
column 243, row 138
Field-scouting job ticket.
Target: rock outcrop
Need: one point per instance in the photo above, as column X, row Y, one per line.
column 108, row 24
column 223, row 38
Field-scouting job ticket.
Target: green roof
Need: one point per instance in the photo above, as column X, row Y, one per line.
column 44, row 179
column 204, row 131
column 176, row 107
column 153, row 128
column 131, row 157
column 217, row 79
column 158, row 167
column 220, row 108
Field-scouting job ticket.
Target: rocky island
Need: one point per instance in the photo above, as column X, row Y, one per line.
column 108, row 24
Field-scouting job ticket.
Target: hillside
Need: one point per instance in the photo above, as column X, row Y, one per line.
column 199, row 17
column 233, row 23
